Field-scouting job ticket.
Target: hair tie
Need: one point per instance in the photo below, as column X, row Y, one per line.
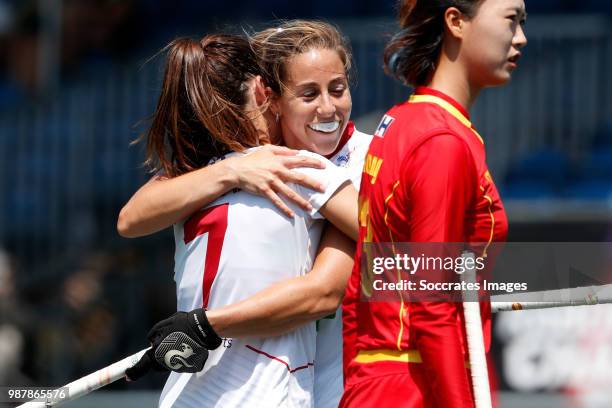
column 394, row 61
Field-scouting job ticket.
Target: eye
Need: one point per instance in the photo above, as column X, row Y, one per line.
column 516, row 18
column 338, row 91
column 337, row 87
column 309, row 94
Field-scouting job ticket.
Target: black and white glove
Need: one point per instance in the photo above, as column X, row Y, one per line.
column 179, row 343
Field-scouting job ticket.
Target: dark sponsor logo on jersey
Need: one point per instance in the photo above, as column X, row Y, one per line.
column 384, row 124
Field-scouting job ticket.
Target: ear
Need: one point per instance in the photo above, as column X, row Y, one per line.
column 274, row 101
column 454, row 22
column 261, row 97
column 270, row 93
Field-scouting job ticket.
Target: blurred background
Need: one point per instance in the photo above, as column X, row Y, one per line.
column 76, row 89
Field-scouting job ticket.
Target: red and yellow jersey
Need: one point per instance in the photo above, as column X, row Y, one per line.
column 425, row 180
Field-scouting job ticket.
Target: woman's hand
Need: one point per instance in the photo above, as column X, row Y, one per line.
column 165, row 201
column 267, row 171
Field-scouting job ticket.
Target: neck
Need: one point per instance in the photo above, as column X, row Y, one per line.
column 450, row 78
column 274, row 129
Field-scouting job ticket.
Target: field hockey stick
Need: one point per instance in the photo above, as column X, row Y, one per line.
column 582, row 296
column 475, row 338
column 89, row 383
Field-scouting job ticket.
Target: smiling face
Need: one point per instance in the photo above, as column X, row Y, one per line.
column 315, row 105
column 492, row 41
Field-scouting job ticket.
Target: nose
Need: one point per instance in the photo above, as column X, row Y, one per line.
column 520, row 39
column 326, row 106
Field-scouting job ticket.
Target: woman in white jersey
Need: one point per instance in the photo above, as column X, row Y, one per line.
column 289, row 54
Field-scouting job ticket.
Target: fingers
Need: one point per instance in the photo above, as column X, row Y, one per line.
column 272, row 196
column 139, row 369
column 159, row 328
column 280, row 187
column 303, row 161
column 281, row 150
column 303, row 180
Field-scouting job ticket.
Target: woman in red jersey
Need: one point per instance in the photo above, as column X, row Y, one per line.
column 428, row 182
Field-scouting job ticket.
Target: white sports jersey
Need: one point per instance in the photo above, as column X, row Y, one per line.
column 234, row 248
column 329, row 383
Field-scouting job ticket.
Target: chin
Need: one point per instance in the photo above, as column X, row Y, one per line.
column 500, row 79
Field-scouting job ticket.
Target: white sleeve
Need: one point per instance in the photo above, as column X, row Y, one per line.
column 355, row 166
column 332, row 177
column 352, row 156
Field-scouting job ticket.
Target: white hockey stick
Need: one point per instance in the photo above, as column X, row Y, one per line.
column 89, row 383
column 475, row 338
column 591, row 295
column 582, row 296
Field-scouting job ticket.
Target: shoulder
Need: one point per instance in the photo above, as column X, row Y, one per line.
column 330, row 169
column 359, row 139
column 442, row 153
column 442, row 149
column 315, row 156
column 245, row 152
column 419, row 118
column 357, row 147
column 353, row 150
column 445, row 142
column 418, row 124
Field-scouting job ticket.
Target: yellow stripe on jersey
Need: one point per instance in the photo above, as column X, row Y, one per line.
column 364, row 208
column 447, row 107
column 408, row 356
column 402, row 309
column 490, row 200
column 373, row 356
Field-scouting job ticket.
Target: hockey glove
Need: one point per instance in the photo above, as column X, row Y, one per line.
column 179, row 343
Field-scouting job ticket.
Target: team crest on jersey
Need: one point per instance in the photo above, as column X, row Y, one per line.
column 343, row 160
column 384, row 125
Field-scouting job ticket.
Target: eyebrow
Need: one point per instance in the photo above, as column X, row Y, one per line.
column 520, row 11
column 341, row 77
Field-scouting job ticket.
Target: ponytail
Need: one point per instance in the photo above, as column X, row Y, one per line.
column 200, row 112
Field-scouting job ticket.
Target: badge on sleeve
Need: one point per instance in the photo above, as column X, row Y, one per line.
column 383, row 126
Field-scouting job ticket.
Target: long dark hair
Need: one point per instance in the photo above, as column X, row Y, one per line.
column 200, row 112
column 412, row 54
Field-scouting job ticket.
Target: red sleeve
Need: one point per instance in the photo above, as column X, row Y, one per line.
column 441, row 181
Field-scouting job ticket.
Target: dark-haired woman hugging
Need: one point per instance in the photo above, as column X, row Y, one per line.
column 431, row 184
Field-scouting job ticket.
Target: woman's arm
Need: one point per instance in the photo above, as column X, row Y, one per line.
column 289, row 304
column 442, row 179
column 341, row 210
column 162, row 201
column 273, row 311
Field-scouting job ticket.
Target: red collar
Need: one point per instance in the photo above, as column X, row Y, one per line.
column 348, row 132
column 423, row 90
